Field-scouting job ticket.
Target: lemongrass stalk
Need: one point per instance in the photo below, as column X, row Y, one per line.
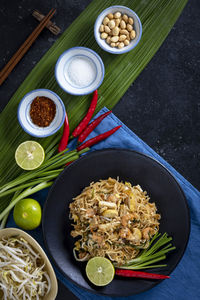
column 24, row 194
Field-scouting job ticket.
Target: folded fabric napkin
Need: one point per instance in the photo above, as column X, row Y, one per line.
column 184, row 282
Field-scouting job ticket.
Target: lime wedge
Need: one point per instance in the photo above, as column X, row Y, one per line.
column 100, row 271
column 29, row 155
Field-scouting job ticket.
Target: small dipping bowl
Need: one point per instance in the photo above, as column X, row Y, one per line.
column 79, row 71
column 137, row 26
column 25, row 119
column 15, row 232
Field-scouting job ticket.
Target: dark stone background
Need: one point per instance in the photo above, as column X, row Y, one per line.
column 163, row 105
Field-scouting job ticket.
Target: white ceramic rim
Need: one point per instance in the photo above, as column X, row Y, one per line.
column 97, row 36
column 35, row 129
column 81, row 90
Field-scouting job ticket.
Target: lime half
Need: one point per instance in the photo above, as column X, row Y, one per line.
column 100, row 271
column 29, row 155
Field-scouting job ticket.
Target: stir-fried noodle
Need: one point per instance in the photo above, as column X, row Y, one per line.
column 112, row 219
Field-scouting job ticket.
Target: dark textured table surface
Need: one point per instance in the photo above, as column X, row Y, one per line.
column 162, row 106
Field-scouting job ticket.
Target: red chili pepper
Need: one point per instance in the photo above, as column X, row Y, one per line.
column 98, row 138
column 138, row 274
column 83, row 124
column 92, row 126
column 65, row 136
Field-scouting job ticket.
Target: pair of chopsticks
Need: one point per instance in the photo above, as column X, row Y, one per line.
column 25, row 46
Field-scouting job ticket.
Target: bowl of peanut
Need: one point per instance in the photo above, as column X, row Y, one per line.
column 118, row 29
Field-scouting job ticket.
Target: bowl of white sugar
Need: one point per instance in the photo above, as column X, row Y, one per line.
column 79, row 71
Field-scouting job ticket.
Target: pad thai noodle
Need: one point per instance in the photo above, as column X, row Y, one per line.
column 112, row 219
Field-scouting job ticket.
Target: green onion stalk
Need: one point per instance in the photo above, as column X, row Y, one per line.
column 4, row 220
column 31, row 182
column 155, row 252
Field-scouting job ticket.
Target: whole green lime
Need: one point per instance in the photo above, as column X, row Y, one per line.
column 27, row 214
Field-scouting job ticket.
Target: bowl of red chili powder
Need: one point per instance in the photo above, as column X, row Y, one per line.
column 41, row 113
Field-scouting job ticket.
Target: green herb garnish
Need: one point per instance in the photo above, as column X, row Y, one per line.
column 33, row 181
column 156, row 252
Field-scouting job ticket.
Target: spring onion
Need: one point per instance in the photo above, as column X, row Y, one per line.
column 33, row 181
column 155, row 252
column 53, row 163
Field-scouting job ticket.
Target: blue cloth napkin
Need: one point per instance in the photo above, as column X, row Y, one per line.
column 184, row 283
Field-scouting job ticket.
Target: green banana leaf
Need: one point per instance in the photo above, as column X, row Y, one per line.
column 157, row 17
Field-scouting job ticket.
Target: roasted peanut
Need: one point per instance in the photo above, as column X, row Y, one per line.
column 105, row 21
column 111, row 24
column 125, row 18
column 117, row 22
column 104, row 35
column 115, row 31
column 114, row 39
column 132, row 34
column 107, row 29
column 122, row 37
column 124, row 31
column 110, row 16
column 121, row 45
column 122, row 24
column 129, row 27
column 126, row 42
column 117, row 15
column 130, row 20
column 108, row 40
column 112, row 45
column 101, row 28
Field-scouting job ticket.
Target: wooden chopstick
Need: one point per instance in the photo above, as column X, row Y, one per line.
column 51, row 26
column 25, row 46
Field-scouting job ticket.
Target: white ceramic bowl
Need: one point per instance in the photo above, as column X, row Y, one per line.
column 25, row 119
column 137, row 27
column 63, row 65
column 10, row 232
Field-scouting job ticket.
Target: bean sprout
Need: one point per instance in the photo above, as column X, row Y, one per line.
column 22, row 271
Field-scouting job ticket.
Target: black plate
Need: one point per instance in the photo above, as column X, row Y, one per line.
column 129, row 166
